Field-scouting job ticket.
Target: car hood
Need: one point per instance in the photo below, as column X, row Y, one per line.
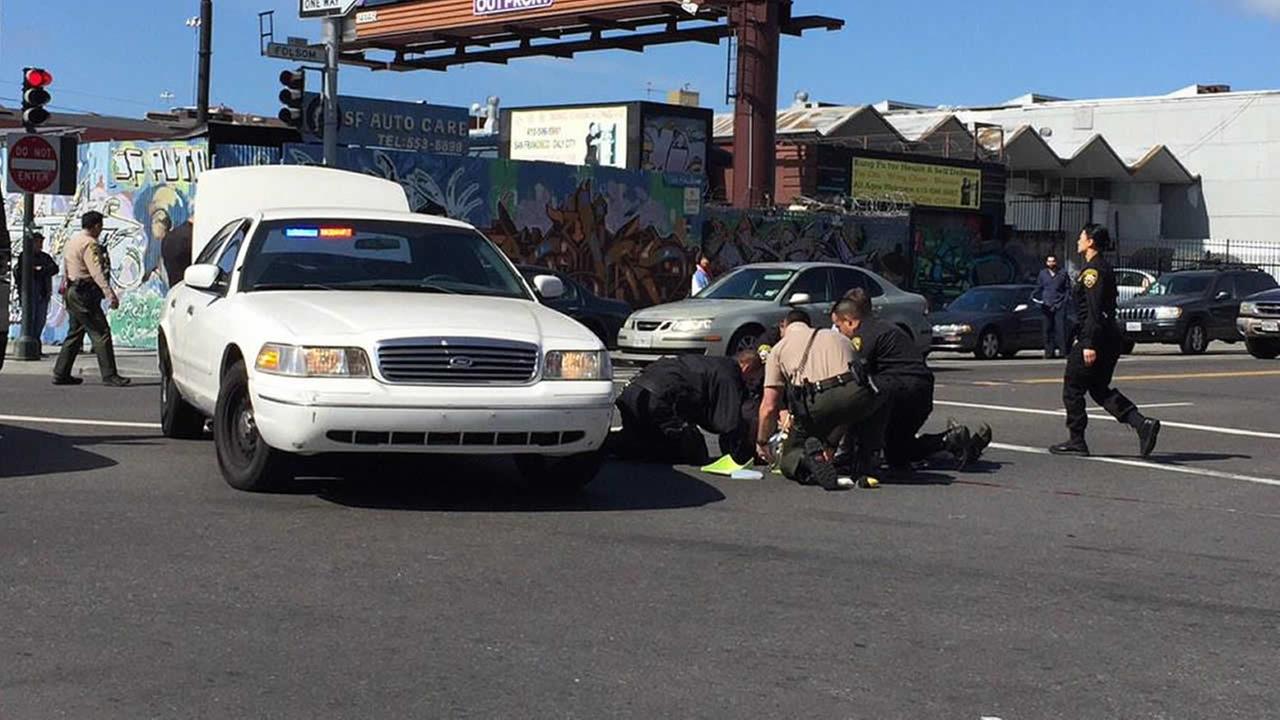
column 316, row 315
column 1154, row 300
column 956, row 317
column 1272, row 295
column 691, row 309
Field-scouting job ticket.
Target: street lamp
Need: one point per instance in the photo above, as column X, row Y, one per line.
column 194, row 23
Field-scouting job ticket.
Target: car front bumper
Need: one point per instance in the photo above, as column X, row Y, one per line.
column 545, row 418
column 638, row 345
column 1152, row 331
column 966, row 342
column 1251, row 327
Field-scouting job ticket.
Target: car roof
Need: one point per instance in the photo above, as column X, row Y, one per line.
column 339, row 213
column 797, row 266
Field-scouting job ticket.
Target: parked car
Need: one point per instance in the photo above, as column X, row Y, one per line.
column 1259, row 323
column 731, row 313
column 356, row 326
column 1131, row 283
column 1191, row 308
column 602, row 316
column 990, row 321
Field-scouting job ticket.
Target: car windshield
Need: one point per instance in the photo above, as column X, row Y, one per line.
column 986, row 300
column 337, row 254
column 1180, row 285
column 748, row 284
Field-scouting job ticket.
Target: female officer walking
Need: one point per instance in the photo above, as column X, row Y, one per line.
column 1092, row 361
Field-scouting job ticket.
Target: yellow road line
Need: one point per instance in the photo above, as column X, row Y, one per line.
column 1169, row 376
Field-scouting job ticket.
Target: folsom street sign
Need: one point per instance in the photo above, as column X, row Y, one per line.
column 297, row 53
column 496, row 7
column 325, row 8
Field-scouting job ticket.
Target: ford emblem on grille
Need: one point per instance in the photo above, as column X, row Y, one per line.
column 461, row 362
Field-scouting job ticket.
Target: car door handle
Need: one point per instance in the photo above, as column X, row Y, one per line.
column 191, row 310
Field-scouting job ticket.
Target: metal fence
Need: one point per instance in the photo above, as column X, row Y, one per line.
column 1168, row 255
column 1041, row 215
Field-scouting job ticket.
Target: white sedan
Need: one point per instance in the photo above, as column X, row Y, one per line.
column 337, row 330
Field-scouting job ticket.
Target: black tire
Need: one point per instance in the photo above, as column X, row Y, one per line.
column 1127, row 346
column 988, row 345
column 1196, row 339
column 247, row 463
column 1009, row 354
column 178, row 418
column 565, row 475
column 1263, row 349
column 745, row 339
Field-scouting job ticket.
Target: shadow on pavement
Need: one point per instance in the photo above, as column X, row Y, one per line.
column 30, row 453
column 1178, row 458
column 455, row 484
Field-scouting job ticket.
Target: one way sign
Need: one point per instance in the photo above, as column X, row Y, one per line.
column 325, row 8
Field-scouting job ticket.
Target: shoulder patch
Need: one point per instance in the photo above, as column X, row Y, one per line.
column 857, row 343
column 764, row 351
column 1089, row 278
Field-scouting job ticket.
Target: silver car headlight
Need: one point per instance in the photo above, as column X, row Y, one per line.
column 1168, row 313
column 691, row 326
column 298, row 361
column 577, row 365
column 1248, row 308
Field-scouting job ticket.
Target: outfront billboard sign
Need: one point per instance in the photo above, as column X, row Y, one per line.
column 572, row 136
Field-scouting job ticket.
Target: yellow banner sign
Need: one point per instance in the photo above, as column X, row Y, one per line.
column 928, row 185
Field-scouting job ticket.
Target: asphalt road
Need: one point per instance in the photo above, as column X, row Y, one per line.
column 134, row 583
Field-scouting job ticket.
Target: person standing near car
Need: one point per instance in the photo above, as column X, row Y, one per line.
column 701, row 275
column 1052, row 288
column 1092, row 362
column 44, row 269
column 87, row 279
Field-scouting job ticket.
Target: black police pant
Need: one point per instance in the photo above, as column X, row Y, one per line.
column 1094, row 381
column 910, row 405
column 84, row 305
column 652, row 430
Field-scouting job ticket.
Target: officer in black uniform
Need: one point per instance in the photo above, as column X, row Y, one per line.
column 665, row 405
column 898, row 371
column 1092, row 361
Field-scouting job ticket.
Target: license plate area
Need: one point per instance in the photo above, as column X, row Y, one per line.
column 1271, row 326
column 1133, row 327
column 640, row 340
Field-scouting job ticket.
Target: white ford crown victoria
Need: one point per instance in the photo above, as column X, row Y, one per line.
column 332, row 329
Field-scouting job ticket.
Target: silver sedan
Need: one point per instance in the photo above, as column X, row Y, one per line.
column 735, row 310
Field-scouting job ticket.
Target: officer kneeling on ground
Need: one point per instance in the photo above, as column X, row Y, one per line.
column 829, row 401
column 665, row 405
column 899, row 373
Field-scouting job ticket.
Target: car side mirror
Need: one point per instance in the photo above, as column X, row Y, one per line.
column 799, row 299
column 549, row 287
column 1022, row 308
column 1222, row 295
column 201, row 277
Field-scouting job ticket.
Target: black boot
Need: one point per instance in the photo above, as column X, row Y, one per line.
column 1148, row 432
column 817, row 470
column 978, row 442
column 956, row 440
column 1074, row 446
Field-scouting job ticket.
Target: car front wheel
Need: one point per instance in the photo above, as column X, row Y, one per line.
column 988, row 345
column 560, row 475
column 246, row 461
column 1196, row 341
column 1262, row 348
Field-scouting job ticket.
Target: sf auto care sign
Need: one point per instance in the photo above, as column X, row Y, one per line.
column 391, row 124
column 41, row 165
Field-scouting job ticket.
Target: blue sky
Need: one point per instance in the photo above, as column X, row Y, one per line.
column 118, row 57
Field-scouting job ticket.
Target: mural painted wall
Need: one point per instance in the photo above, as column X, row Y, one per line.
column 674, row 144
column 956, row 251
column 621, row 233
column 145, row 190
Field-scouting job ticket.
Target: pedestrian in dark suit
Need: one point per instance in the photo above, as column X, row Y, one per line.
column 1052, row 290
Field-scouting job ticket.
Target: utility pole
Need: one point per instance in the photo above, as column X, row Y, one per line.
column 206, row 52
column 332, row 36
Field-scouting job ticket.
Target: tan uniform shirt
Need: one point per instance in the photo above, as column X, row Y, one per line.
column 83, row 259
column 830, row 356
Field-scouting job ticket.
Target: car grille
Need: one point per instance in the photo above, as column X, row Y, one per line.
column 1136, row 313
column 648, row 325
column 457, row 361
column 1270, row 309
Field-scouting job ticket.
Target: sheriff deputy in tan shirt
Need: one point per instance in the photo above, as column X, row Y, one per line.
column 828, row 398
column 87, row 280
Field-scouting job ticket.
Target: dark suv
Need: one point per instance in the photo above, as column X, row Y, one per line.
column 1191, row 308
column 1259, row 323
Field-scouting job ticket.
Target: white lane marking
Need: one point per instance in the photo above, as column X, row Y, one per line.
column 1203, row 472
column 1148, row 406
column 78, row 421
column 1165, row 423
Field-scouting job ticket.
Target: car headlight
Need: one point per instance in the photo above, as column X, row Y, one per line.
column 297, row 361
column 952, row 329
column 578, row 365
column 1168, row 313
column 691, row 326
column 1248, row 308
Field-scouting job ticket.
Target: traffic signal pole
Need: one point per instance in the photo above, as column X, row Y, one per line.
column 27, row 346
column 332, row 36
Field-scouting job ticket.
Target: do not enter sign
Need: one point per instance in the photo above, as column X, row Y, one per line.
column 41, row 165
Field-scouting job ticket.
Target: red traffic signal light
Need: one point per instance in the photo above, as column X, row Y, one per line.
column 37, row 77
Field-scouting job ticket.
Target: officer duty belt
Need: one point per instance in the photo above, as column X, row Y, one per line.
column 832, row 383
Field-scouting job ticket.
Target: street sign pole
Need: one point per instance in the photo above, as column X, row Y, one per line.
column 332, row 36
column 27, row 346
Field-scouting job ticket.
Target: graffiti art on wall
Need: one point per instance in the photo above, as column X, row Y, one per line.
column 144, row 190
column 956, row 251
column 620, row 233
column 674, row 144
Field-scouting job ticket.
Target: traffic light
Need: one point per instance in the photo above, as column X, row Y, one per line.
column 35, row 96
column 294, row 82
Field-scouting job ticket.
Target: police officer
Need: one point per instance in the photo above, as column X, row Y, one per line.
column 665, row 405
column 1092, row 361
column 87, row 277
column 899, row 373
column 814, row 370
